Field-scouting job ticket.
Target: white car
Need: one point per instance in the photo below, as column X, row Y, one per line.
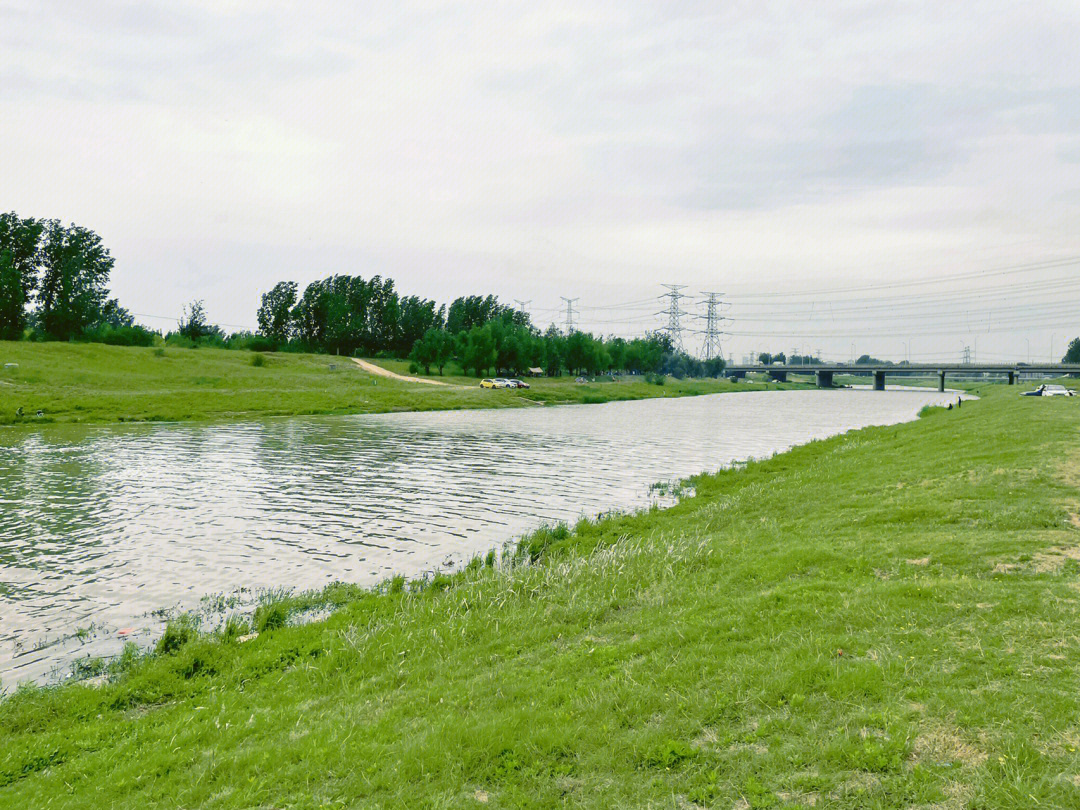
column 1051, row 391
column 502, row 382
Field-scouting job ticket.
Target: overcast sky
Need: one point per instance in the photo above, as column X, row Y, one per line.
column 535, row 150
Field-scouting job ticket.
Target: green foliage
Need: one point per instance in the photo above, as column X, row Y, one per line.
column 119, row 335
column 477, row 349
column 670, row 754
column 73, row 285
column 83, row 668
column 246, row 341
column 20, row 259
column 177, row 633
column 435, row 348
column 271, row 616
column 1072, row 354
column 258, row 360
column 196, row 328
column 275, row 312
column 348, row 314
column 475, row 310
column 867, row 360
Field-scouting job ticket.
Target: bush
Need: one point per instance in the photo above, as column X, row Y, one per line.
column 258, row 360
column 270, row 616
column 251, row 342
column 180, row 341
column 235, row 627
column 655, row 379
column 119, row 335
column 177, row 634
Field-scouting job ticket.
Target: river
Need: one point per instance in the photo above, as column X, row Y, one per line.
column 103, row 527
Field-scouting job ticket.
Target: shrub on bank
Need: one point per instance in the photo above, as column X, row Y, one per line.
column 120, row 335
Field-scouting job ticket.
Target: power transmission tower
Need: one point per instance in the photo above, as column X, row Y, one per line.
column 674, row 313
column 966, row 360
column 711, row 347
column 521, row 305
column 569, row 313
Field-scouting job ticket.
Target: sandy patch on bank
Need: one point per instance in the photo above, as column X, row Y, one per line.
column 371, row 368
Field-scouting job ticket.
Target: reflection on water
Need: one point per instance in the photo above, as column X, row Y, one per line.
column 104, row 525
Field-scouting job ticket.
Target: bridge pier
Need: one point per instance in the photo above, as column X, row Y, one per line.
column 778, row 374
column 737, row 375
column 1012, row 378
column 941, row 381
column 824, row 379
column 879, row 380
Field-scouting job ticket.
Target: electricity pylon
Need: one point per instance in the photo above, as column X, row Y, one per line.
column 674, row 313
column 711, row 347
column 569, row 313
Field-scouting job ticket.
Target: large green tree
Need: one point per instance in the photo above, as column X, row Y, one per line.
column 473, row 310
column 1072, row 354
column 275, row 312
column 416, row 318
column 20, row 257
column 477, row 349
column 73, row 289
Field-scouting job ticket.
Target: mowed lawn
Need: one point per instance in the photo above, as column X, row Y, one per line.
column 94, row 383
column 884, row 619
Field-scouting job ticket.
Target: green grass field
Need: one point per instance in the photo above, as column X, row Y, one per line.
column 78, row 382
column 884, row 619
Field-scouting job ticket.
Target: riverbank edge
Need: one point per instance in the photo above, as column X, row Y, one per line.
column 80, row 405
column 279, row 607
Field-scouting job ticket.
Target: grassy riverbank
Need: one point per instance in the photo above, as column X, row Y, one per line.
column 883, row 619
column 94, row 383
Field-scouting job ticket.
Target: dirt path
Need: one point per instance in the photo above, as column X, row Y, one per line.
column 371, row 368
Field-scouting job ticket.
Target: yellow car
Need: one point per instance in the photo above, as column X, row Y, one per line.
column 487, row 383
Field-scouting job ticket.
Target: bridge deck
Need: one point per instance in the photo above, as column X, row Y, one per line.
column 952, row 368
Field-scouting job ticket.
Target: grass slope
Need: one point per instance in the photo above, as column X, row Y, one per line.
column 884, row 619
column 73, row 382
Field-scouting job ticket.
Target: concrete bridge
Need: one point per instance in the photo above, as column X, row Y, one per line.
column 824, row 372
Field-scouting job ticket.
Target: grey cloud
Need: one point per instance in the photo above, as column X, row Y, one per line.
column 883, row 135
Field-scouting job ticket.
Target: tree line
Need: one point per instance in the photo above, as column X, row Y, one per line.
column 54, row 285
column 351, row 315
column 54, row 282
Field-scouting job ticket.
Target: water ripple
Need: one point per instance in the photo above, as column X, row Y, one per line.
column 106, row 524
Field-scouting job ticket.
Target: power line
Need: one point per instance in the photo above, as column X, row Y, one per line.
column 1000, row 271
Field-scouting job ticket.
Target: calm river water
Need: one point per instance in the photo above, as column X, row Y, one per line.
column 103, row 525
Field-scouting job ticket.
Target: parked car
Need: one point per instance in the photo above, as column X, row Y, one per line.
column 1050, row 391
column 486, row 383
column 502, row 382
column 516, row 383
